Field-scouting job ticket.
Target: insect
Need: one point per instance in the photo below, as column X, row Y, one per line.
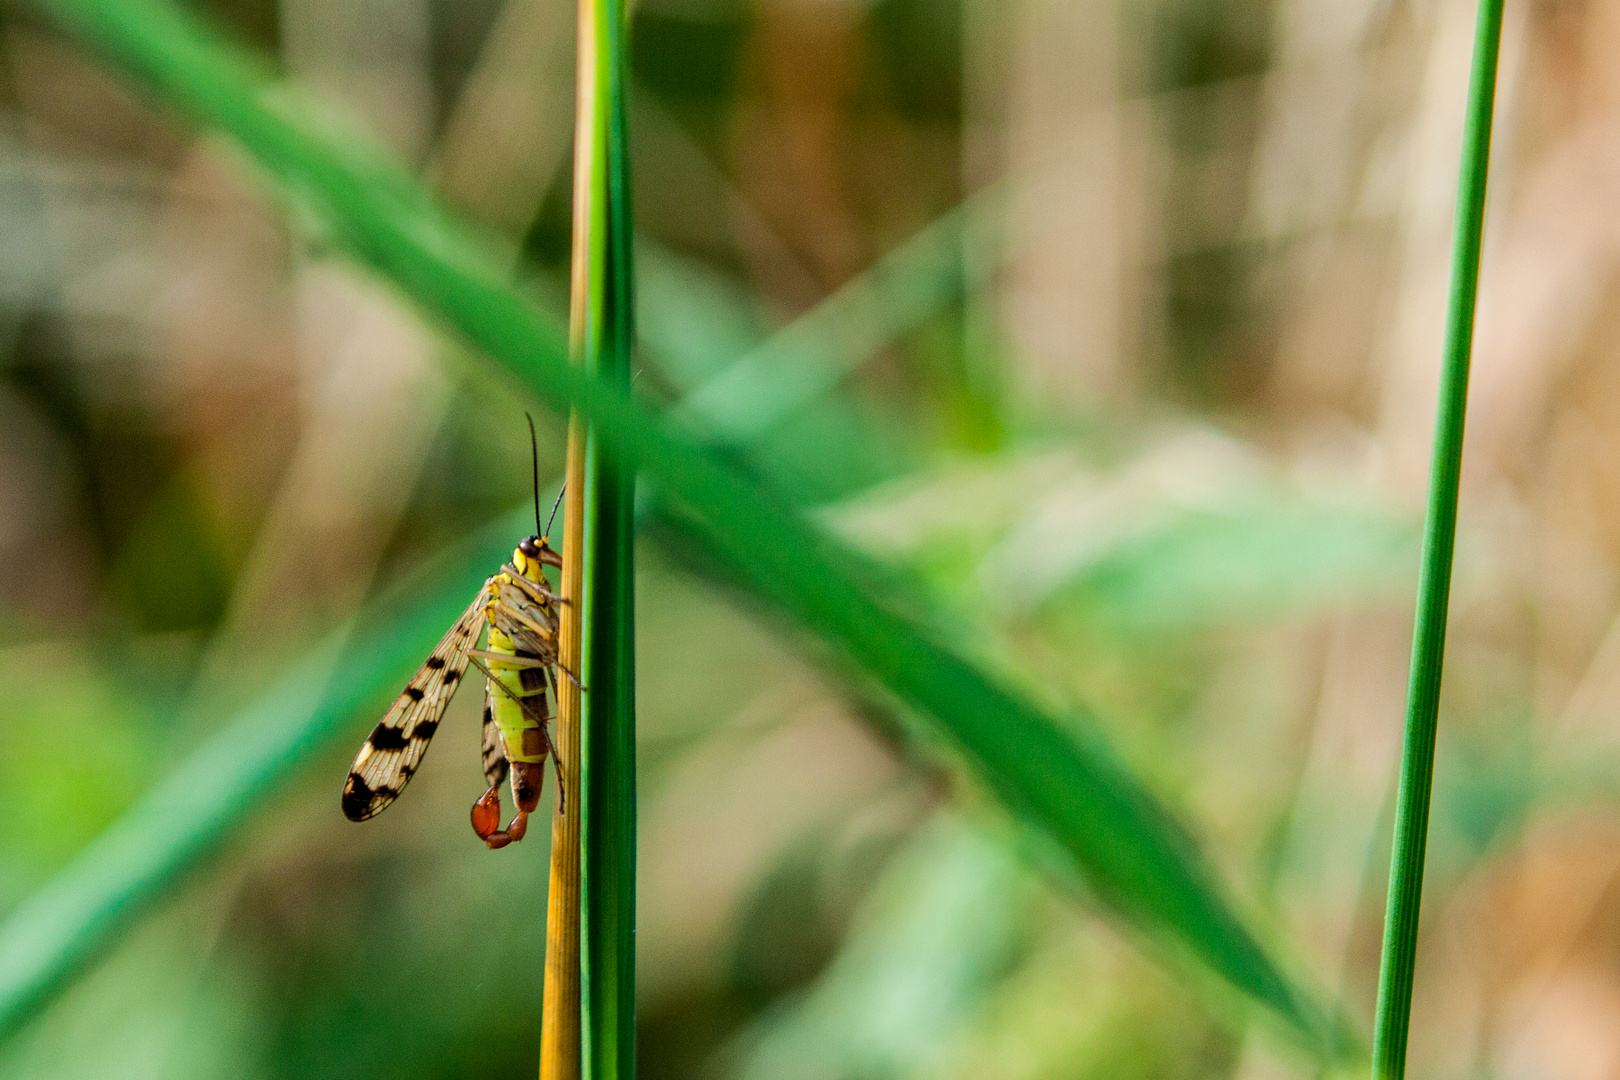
column 519, row 665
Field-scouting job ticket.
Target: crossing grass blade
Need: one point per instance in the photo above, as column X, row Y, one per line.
column 1070, row 787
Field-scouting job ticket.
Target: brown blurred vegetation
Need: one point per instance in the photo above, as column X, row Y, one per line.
column 1166, row 462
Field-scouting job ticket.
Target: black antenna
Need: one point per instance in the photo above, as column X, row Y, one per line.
column 554, row 507
column 534, row 447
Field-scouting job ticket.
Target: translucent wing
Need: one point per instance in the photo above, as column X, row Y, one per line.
column 395, row 746
column 495, row 765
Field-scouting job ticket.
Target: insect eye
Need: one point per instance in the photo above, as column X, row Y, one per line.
column 529, row 548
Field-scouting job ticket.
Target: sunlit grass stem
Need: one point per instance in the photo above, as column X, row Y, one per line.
column 559, row 1019
column 1434, row 587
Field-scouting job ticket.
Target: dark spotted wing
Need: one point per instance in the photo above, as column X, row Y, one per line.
column 495, row 765
column 395, row 746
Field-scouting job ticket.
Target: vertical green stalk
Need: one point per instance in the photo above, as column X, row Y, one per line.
column 1434, row 588
column 608, row 737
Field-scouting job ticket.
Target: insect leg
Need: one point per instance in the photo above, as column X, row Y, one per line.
column 537, row 592
column 522, row 703
column 508, row 659
column 570, row 675
column 544, row 634
column 527, row 621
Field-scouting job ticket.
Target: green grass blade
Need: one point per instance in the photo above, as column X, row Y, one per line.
column 62, row 926
column 1135, row 853
column 1434, row 587
column 608, row 721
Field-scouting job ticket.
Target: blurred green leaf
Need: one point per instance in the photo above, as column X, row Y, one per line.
column 169, row 570
column 693, row 319
column 56, row 930
column 693, row 322
column 928, row 945
column 1263, row 559
column 1172, row 539
column 49, row 800
column 898, row 293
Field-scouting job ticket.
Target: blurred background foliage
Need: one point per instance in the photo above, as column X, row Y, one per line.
column 1117, row 323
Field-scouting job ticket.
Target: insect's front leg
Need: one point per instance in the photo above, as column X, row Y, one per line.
column 536, row 590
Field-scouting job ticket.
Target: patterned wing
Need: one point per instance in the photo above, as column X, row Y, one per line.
column 495, row 764
column 395, row 746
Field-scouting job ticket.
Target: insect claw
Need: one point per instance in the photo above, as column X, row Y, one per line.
column 513, row 832
column 486, row 820
column 486, row 813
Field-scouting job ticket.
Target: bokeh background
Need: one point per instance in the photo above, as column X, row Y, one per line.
column 1126, row 326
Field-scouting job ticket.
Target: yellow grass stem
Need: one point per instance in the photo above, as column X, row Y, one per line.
column 559, row 1021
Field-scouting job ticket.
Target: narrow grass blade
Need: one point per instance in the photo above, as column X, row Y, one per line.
column 1135, row 853
column 1434, row 587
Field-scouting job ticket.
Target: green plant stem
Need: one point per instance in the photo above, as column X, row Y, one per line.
column 1060, row 778
column 1434, row 587
column 602, row 309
